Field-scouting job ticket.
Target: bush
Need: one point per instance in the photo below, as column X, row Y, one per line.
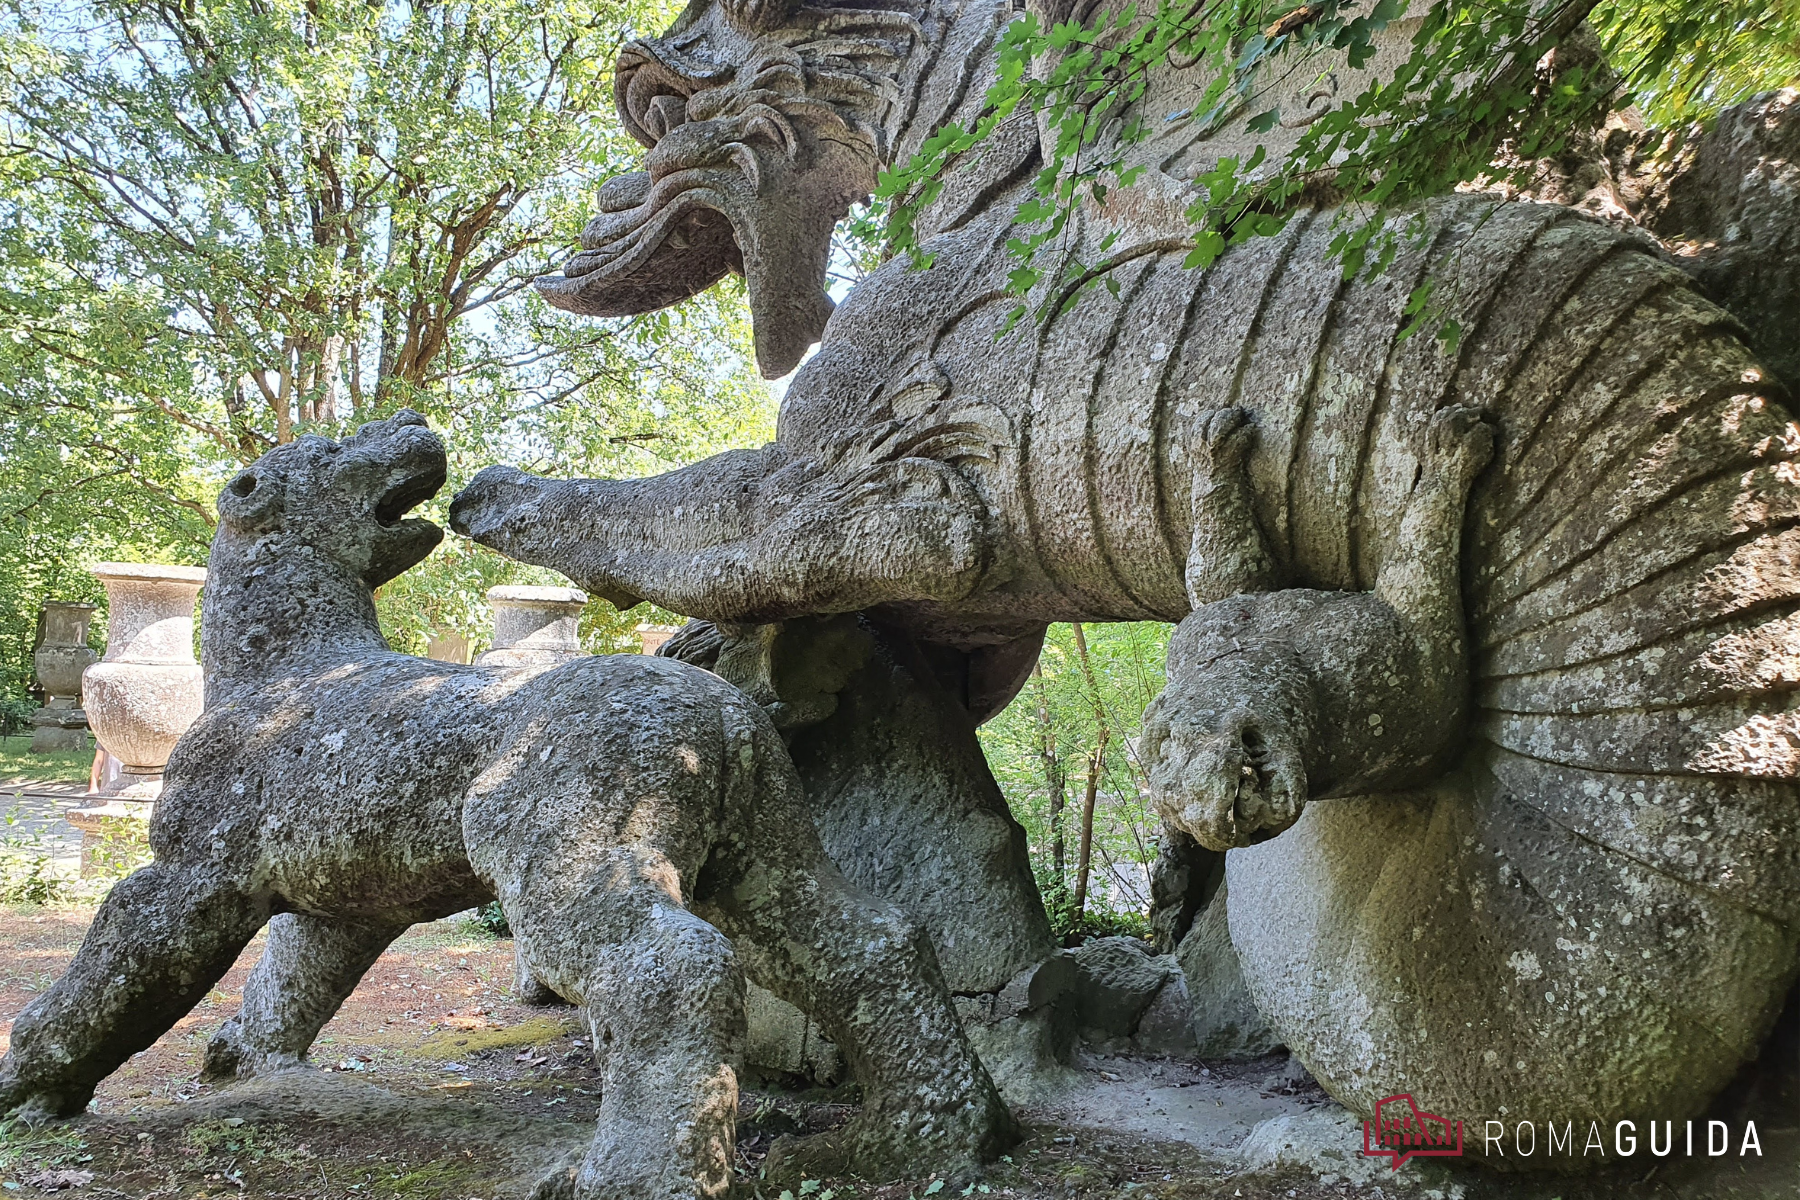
column 15, row 714
column 492, row 918
column 1070, row 930
column 26, row 866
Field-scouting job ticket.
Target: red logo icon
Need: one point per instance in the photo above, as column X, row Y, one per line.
column 1400, row 1131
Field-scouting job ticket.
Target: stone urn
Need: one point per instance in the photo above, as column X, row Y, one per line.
column 61, row 656
column 142, row 696
column 534, row 626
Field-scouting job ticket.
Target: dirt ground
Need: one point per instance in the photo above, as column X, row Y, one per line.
column 433, row 1083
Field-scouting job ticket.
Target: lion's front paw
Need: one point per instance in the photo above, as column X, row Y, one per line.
column 1236, row 785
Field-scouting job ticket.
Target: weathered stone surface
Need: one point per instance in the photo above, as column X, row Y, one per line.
column 1119, row 977
column 1224, row 1020
column 1719, row 198
column 1183, row 880
column 783, row 1039
column 1463, row 901
column 1024, row 1032
column 638, row 819
column 899, row 789
column 1167, row 1026
column 1327, row 1141
column 1579, row 664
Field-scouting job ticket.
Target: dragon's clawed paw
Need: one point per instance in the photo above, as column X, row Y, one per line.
column 1460, row 441
column 1234, row 784
column 1225, row 437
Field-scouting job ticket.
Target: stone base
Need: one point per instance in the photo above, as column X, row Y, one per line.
column 54, row 739
column 112, row 829
column 785, row 1041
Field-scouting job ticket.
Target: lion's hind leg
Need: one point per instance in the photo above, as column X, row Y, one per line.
column 868, row 973
column 664, row 999
column 591, row 829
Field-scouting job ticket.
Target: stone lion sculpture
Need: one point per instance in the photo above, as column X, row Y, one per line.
column 638, row 819
column 1506, row 760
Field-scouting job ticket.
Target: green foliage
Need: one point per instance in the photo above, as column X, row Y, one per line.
column 1686, row 60
column 15, row 714
column 27, row 872
column 1042, row 747
column 490, row 918
column 1095, row 920
column 1474, row 91
column 227, row 224
column 47, row 1145
column 1468, row 88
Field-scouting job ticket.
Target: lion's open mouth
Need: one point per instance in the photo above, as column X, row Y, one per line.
column 421, row 485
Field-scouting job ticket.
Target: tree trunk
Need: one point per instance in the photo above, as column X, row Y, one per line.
column 1085, row 854
column 1053, row 774
column 1096, row 767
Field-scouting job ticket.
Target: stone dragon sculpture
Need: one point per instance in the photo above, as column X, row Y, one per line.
column 1550, row 702
column 638, row 819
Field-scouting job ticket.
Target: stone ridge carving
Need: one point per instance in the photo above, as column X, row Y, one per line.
column 1594, row 854
column 638, row 819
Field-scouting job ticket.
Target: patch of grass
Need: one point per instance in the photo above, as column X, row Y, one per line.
column 234, row 1139
column 456, row 1043
column 18, row 764
column 428, row 1182
column 47, row 1146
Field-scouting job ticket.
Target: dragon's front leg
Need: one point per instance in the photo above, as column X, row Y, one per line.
column 744, row 536
column 1278, row 697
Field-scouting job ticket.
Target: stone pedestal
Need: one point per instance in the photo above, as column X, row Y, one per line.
column 447, row 646
column 534, row 626
column 61, row 655
column 145, row 693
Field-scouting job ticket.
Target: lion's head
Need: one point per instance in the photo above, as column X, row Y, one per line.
column 343, row 501
column 765, row 122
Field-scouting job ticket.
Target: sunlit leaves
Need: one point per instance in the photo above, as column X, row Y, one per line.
column 1469, row 89
column 233, row 221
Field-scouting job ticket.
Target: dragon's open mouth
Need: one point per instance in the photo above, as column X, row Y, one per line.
column 711, row 203
column 674, row 244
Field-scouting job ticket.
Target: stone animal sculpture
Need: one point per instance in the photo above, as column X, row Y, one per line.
column 1559, row 879
column 638, row 819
